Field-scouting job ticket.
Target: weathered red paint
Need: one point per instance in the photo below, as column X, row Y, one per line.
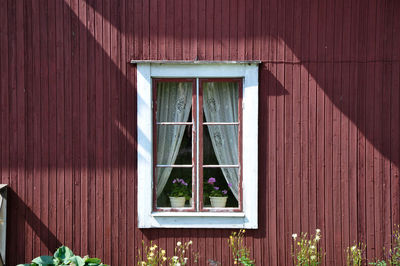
column 329, row 115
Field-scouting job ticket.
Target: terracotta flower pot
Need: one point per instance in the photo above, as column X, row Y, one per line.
column 177, row 202
column 218, row 202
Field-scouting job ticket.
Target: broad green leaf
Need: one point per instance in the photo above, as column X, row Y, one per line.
column 78, row 261
column 63, row 253
column 93, row 260
column 56, row 261
column 43, row 260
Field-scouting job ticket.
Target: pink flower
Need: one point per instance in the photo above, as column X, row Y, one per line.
column 229, row 185
column 224, row 191
column 211, row 180
column 216, row 188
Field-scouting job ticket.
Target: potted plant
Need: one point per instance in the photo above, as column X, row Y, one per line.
column 217, row 196
column 179, row 194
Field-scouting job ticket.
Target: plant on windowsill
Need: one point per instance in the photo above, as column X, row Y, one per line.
column 217, row 196
column 180, row 193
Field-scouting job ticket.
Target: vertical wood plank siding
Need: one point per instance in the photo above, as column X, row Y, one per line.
column 329, row 120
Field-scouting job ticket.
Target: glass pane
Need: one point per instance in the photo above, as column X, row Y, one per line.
column 220, row 101
column 174, row 101
column 220, row 145
column 174, row 144
column 221, row 183
column 175, row 183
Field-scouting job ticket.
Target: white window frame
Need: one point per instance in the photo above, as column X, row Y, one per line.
column 146, row 70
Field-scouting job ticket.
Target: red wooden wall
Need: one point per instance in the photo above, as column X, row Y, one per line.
column 329, row 120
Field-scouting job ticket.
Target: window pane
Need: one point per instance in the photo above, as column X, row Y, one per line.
column 220, row 145
column 174, row 144
column 220, row 101
column 174, row 182
column 221, row 182
column 174, row 101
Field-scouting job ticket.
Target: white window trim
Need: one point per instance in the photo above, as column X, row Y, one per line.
column 146, row 217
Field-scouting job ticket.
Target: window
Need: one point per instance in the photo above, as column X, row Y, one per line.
column 197, row 134
column 197, row 144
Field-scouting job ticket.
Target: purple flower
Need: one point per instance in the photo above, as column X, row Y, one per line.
column 211, row 180
column 229, row 185
column 184, row 183
column 216, row 188
column 174, row 181
column 224, row 191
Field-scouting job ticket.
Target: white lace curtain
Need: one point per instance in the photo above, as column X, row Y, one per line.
column 173, row 105
column 220, row 103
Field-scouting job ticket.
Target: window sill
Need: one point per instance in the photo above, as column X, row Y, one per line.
column 198, row 214
column 198, row 220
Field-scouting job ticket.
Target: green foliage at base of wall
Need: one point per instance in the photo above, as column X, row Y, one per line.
column 64, row 256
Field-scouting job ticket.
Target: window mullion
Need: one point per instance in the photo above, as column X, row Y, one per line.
column 197, row 147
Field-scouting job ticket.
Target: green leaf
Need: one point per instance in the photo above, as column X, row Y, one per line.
column 78, row 261
column 93, row 260
column 43, row 260
column 63, row 253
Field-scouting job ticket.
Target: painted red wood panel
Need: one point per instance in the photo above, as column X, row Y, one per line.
column 312, row 114
column 45, row 246
column 99, row 109
column 115, row 116
column 263, row 145
column 12, row 126
column 75, row 128
column 4, row 92
column 122, row 121
column 131, row 143
column 387, row 83
column 353, row 149
column 35, row 131
column 91, row 126
column 107, row 123
column 28, row 71
column 59, row 131
column 68, row 222
column 55, row 121
column 20, row 123
column 346, row 142
column 394, row 125
column 338, row 134
column 83, row 96
column 302, row 37
column 320, row 99
column 328, row 125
